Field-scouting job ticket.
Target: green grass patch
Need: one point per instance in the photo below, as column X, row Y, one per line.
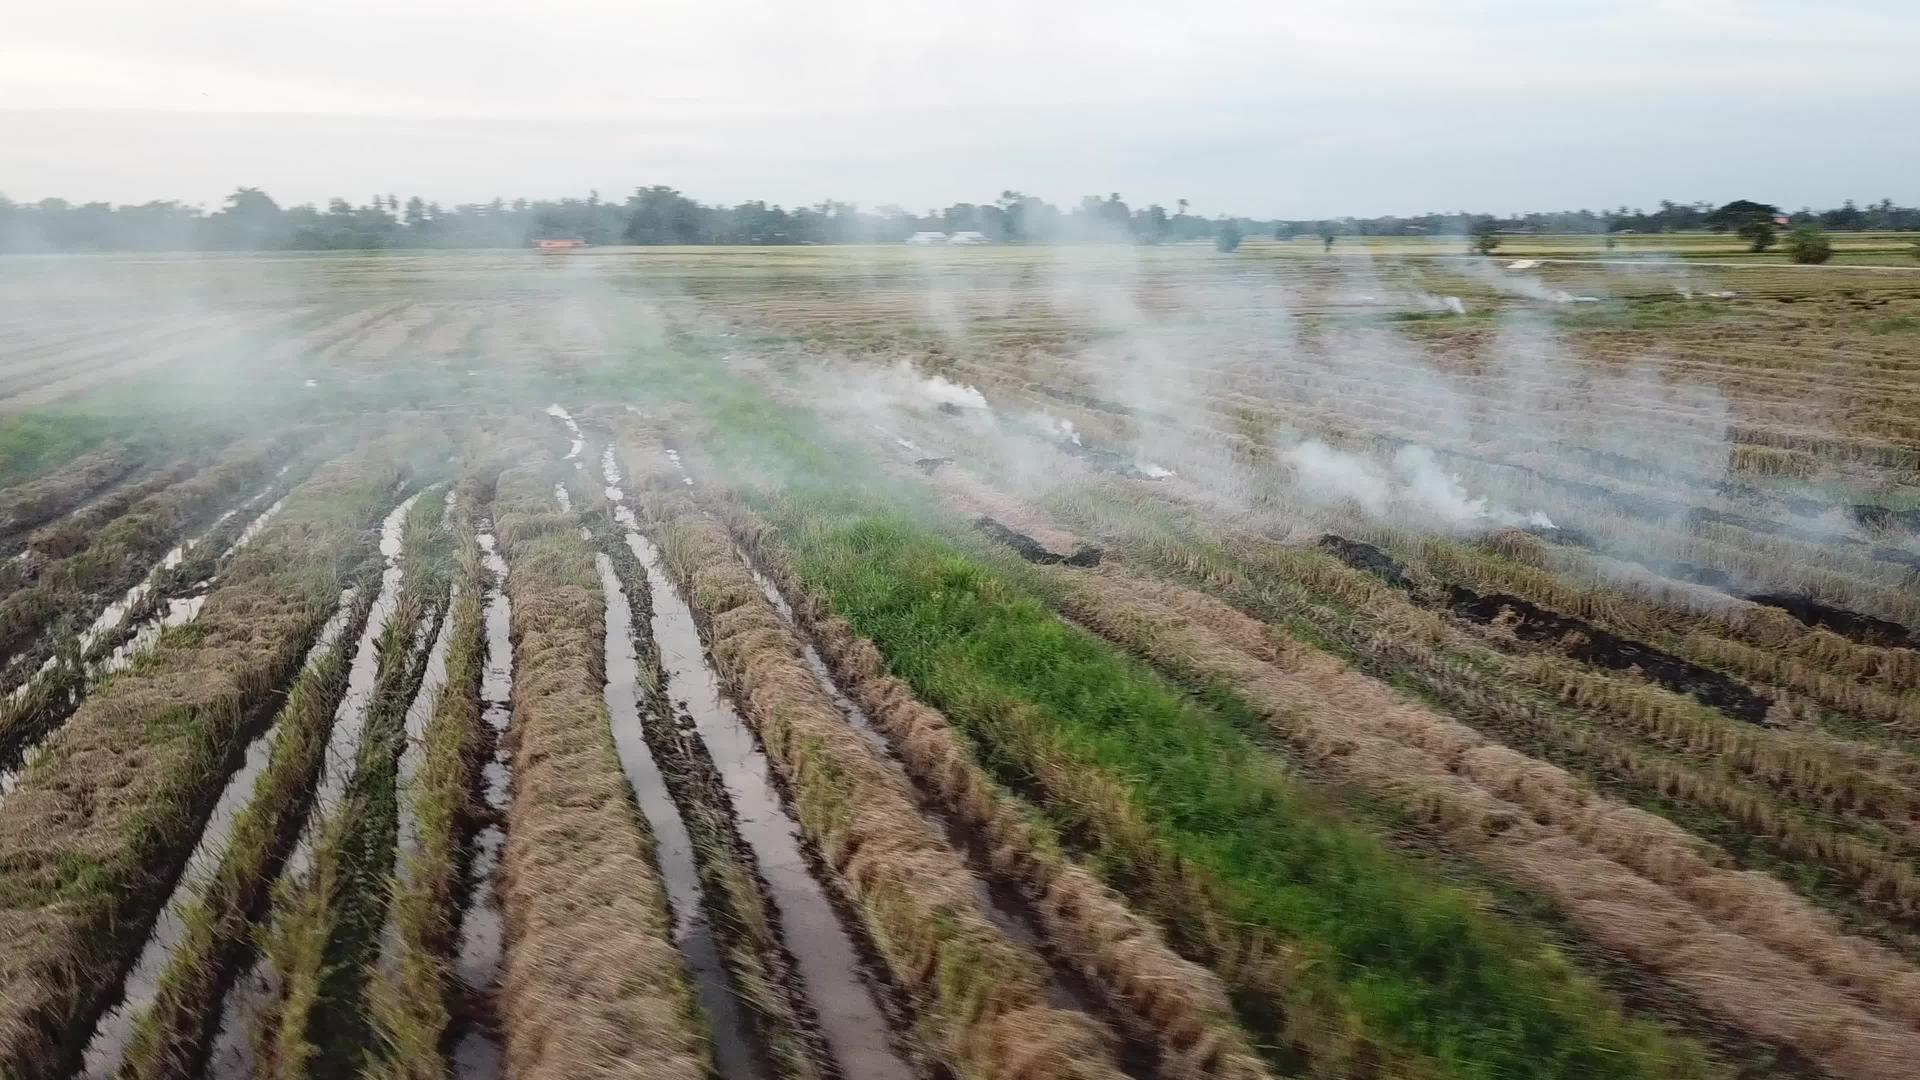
column 1897, row 324
column 1418, row 961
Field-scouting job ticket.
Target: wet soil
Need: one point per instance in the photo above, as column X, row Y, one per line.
column 231, row 1055
column 1576, row 638
column 68, row 664
column 830, row 962
column 476, row 1034
column 734, row 1041
column 115, row 1029
column 1003, row 903
column 1032, row 550
column 407, row 832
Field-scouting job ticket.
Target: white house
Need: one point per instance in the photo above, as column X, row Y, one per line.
column 927, row 238
column 968, row 236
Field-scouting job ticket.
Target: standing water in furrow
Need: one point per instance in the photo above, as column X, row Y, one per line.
column 1002, row 904
column 350, row 719
column 850, row 1017
column 180, row 608
column 232, row 1054
column 476, row 1048
column 54, row 699
column 573, row 430
column 407, row 840
column 732, row 1050
column 108, row 1047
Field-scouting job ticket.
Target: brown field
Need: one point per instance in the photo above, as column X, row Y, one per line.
column 995, row 663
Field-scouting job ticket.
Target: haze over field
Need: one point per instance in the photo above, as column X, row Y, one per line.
column 905, row 541
column 1253, row 109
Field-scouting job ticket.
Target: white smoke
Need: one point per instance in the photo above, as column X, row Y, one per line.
column 1414, row 487
column 942, row 392
column 1061, row 428
column 1329, row 475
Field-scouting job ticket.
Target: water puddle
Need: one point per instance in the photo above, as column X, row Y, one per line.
column 115, row 1029
column 1003, row 905
column 343, row 744
column 253, row 528
column 232, row 1053
column 674, row 456
column 862, row 723
column 573, row 429
column 476, row 1050
column 231, row 1057
column 118, row 611
column 826, row 957
column 178, row 611
column 419, row 711
column 732, row 1053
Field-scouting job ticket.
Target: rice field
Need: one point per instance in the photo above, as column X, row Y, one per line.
column 998, row 663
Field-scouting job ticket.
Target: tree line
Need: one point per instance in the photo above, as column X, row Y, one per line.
column 251, row 220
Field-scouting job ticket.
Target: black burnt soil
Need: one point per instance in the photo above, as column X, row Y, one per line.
column 1578, row 639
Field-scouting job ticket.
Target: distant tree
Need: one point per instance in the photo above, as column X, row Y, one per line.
column 1847, row 217
column 1738, row 214
column 1809, row 244
column 1758, row 234
column 661, row 215
column 1485, row 237
column 1228, row 238
column 1151, row 225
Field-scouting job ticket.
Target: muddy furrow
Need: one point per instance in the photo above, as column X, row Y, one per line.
column 325, row 938
column 914, row 892
column 728, row 914
column 827, row 958
column 172, row 595
column 412, row 1000
column 733, row 1037
column 251, row 1000
column 476, row 1029
column 419, row 711
column 1107, row 961
column 132, row 777
column 186, row 954
column 1177, row 1008
column 591, row 979
column 124, row 552
column 35, row 502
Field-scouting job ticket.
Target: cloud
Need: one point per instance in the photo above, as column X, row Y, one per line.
column 1296, row 108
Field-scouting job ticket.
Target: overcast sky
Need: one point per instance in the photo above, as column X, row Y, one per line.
column 1258, row 107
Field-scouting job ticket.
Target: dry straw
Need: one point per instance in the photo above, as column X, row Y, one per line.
column 985, row 1010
